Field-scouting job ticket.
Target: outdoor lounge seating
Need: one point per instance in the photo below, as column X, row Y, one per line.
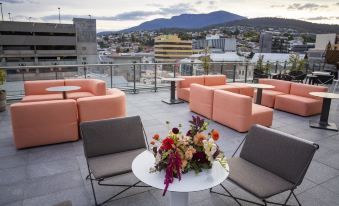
column 299, row 101
column 270, row 162
column 201, row 100
column 238, row 112
column 212, row 81
column 110, row 147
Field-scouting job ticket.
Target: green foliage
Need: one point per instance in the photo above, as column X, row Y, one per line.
column 206, row 59
column 260, row 63
column 297, row 64
column 3, row 75
column 252, row 36
column 184, row 36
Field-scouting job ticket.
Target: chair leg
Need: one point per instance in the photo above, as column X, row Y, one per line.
column 235, row 199
column 288, row 198
column 93, row 190
column 296, row 199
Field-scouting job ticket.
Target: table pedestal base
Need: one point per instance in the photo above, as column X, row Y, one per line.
column 172, row 101
column 328, row 126
column 178, row 198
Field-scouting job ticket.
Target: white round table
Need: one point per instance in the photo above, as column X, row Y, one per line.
column 190, row 182
column 172, row 99
column 260, row 87
column 325, row 111
column 63, row 89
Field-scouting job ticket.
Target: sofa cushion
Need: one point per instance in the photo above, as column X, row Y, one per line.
column 268, row 97
column 213, row 80
column 305, row 89
column 39, row 87
column 43, row 97
column 94, row 86
column 279, row 85
column 184, row 94
column 77, row 95
column 201, row 100
column 226, row 87
column 188, row 80
column 256, row 180
column 303, row 106
column 243, row 88
column 262, row 115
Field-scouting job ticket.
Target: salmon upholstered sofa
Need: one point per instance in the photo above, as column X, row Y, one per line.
column 238, row 112
column 299, row 101
column 49, row 121
column 201, row 100
column 45, row 122
column 268, row 95
column 212, row 81
column 36, row 90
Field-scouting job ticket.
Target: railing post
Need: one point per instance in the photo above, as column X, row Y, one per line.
column 221, row 68
column 234, row 68
column 155, row 78
column 285, row 64
column 276, row 67
column 246, row 70
column 134, row 80
column 85, row 72
column 173, row 65
column 111, row 72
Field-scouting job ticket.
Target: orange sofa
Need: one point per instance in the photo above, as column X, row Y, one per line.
column 36, row 90
column 268, row 95
column 46, row 122
column 238, row 112
column 201, row 100
column 212, row 81
column 299, row 101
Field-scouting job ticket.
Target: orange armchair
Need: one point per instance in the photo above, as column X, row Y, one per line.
column 46, row 122
column 112, row 105
column 238, row 112
column 36, row 90
column 183, row 87
column 201, row 100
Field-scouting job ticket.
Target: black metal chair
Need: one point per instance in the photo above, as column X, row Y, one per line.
column 297, row 76
column 258, row 74
column 110, row 147
column 324, row 79
column 270, row 162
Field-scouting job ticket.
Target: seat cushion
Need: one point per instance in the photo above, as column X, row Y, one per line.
column 113, row 164
column 214, row 80
column 262, row 115
column 225, row 87
column 268, row 97
column 243, row 88
column 43, row 97
column 77, row 95
column 184, row 94
column 256, row 180
column 303, row 106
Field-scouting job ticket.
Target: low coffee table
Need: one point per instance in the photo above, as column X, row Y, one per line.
column 63, row 89
column 260, row 87
column 172, row 99
column 323, row 123
column 190, row 182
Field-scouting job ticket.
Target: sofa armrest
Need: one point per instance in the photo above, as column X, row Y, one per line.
column 98, row 87
column 109, row 106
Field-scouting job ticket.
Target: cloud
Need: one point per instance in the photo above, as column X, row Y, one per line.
column 308, row 6
column 198, row 2
column 277, row 6
column 337, row 4
column 318, row 18
column 17, row 1
column 131, row 15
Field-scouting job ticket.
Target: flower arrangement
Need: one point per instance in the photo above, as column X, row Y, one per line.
column 180, row 152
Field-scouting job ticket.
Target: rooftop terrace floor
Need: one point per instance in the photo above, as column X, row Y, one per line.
column 48, row 175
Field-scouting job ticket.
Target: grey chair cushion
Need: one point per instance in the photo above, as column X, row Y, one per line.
column 113, row 164
column 282, row 154
column 112, row 136
column 259, row 182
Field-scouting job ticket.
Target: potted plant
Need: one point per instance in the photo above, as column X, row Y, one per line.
column 297, row 67
column 2, row 91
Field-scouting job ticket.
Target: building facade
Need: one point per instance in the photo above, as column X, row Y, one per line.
column 216, row 43
column 270, row 43
column 170, row 48
column 31, row 43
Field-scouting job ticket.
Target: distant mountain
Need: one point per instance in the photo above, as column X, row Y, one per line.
column 187, row 21
column 268, row 22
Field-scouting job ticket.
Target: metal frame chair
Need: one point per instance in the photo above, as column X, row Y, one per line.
column 259, row 138
column 112, row 139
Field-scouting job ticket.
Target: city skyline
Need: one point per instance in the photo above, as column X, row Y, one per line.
column 117, row 15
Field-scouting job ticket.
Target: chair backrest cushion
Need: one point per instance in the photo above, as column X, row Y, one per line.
column 279, row 85
column 39, row 87
column 305, row 89
column 214, row 80
column 111, row 136
column 188, row 80
column 282, row 154
column 233, row 104
column 95, row 86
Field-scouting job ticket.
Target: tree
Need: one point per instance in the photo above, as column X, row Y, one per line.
column 296, row 62
column 206, row 59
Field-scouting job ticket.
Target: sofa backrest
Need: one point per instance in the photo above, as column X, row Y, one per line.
column 305, row 89
column 236, row 104
column 39, row 87
column 279, row 85
column 201, row 99
column 188, row 80
column 95, row 86
column 214, row 80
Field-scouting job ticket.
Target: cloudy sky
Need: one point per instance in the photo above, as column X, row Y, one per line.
column 120, row 14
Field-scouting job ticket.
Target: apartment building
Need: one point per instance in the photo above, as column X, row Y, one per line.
column 216, row 44
column 271, row 43
column 32, row 43
column 170, row 48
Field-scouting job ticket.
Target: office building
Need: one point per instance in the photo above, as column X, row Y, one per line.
column 270, row 43
column 215, row 43
column 170, row 48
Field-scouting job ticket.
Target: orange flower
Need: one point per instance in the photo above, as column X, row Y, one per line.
column 152, row 142
column 198, row 138
column 156, row 137
column 215, row 135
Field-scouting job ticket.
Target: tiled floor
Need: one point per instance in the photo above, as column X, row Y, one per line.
column 52, row 174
